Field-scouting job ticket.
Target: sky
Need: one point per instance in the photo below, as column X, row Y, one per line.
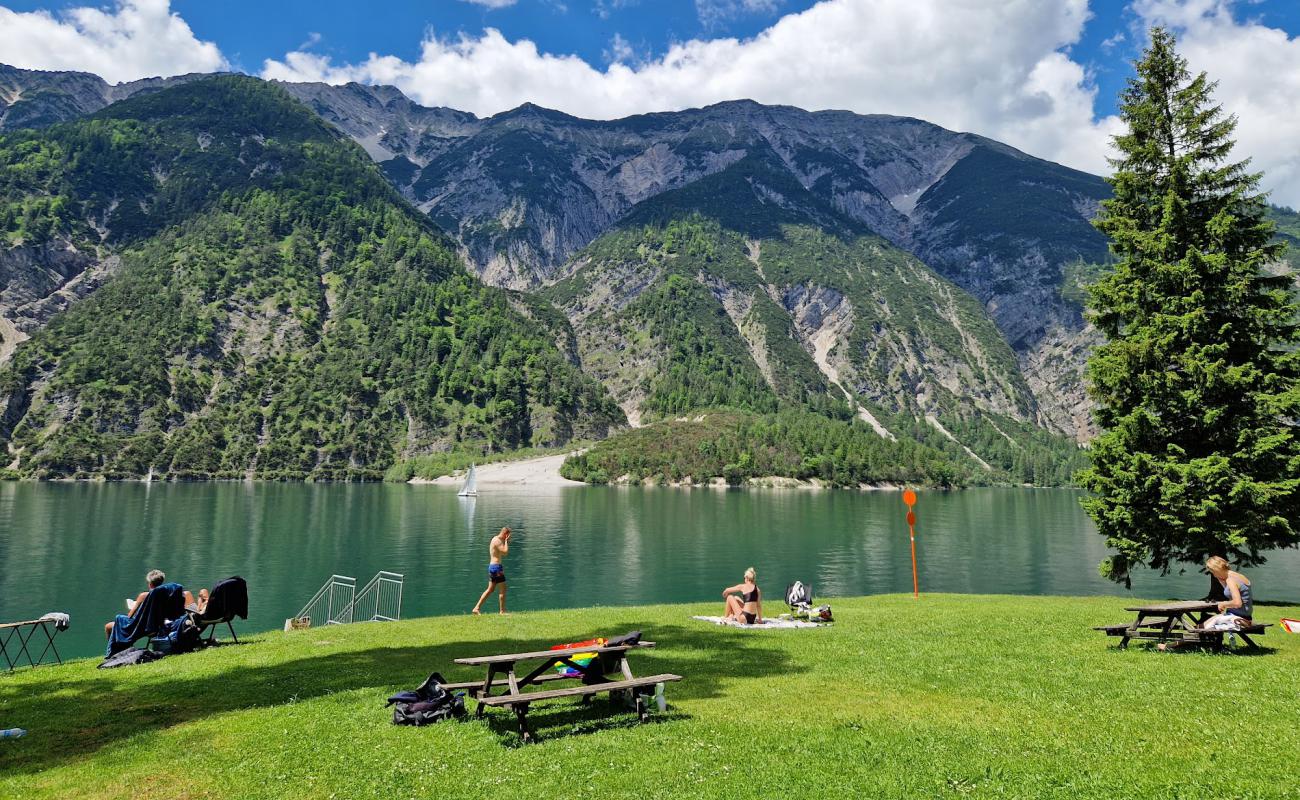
column 1042, row 75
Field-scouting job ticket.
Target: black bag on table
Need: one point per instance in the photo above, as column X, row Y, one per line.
column 428, row 704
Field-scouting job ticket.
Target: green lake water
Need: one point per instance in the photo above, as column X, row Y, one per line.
column 83, row 547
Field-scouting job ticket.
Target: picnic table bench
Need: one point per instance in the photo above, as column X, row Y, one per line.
column 24, row 632
column 1179, row 621
column 593, row 678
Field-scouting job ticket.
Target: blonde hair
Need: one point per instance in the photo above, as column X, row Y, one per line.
column 750, row 574
column 1216, row 563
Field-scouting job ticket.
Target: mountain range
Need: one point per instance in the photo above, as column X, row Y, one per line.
column 927, row 282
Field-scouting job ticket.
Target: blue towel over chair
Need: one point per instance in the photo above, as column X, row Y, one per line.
column 162, row 605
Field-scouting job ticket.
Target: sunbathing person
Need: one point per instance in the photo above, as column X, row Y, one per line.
column 200, row 603
column 1238, row 609
column 154, row 579
column 748, row 607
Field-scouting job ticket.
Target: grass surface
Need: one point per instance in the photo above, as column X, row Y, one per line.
column 952, row 696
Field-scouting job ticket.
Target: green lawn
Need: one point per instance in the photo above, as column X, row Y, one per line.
column 971, row 696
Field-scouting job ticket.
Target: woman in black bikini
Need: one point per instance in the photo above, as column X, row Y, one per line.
column 748, row 608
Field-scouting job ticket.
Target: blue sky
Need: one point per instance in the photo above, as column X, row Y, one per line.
column 1041, row 75
column 248, row 33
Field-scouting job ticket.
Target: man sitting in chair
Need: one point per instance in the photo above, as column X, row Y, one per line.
column 154, row 579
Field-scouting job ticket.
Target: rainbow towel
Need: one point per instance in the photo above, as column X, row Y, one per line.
column 1291, row 625
column 582, row 659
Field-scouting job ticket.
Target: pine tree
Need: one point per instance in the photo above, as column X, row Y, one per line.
column 1197, row 384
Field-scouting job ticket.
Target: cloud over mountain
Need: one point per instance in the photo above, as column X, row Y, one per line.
column 997, row 69
column 137, row 39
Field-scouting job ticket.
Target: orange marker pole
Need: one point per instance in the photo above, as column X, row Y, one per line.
column 909, row 497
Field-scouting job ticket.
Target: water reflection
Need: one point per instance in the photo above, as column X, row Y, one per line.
column 82, row 548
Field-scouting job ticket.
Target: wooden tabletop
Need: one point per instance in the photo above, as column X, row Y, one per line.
column 565, row 653
column 1177, row 607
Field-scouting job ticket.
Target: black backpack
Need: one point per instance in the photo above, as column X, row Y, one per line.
column 428, row 704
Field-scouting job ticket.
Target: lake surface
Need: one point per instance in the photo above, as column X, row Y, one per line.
column 84, row 547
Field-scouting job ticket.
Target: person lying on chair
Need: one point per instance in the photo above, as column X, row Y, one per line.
column 154, row 579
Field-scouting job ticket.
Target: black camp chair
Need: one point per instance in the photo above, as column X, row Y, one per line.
column 159, row 608
column 228, row 599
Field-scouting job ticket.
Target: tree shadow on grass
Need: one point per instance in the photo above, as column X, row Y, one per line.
column 72, row 718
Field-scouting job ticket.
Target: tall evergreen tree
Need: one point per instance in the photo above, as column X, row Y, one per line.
column 1197, row 384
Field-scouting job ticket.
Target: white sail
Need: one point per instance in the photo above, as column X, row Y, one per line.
column 470, row 489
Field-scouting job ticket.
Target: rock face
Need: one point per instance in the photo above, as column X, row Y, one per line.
column 32, row 98
column 746, row 289
column 522, row 192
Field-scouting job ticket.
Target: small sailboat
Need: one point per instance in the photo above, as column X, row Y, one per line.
column 470, row 489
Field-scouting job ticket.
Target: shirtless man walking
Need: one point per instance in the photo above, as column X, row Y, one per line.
column 498, row 550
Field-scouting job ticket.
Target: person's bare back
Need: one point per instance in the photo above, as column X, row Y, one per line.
column 498, row 549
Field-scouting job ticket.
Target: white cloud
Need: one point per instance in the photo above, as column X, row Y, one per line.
column 135, row 39
column 1258, row 70
column 716, row 12
column 605, row 8
column 998, row 69
column 491, row 5
column 619, row 49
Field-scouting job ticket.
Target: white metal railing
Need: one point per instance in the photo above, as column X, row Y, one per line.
column 333, row 603
column 379, row 600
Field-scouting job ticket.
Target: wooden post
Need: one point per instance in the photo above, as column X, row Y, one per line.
column 909, row 497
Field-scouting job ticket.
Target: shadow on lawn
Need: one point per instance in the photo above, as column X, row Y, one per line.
column 70, row 719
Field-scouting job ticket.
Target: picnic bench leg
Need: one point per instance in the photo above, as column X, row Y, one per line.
column 486, row 690
column 521, row 713
column 1249, row 641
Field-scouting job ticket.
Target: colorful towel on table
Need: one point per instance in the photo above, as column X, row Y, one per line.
column 581, row 659
column 767, row 623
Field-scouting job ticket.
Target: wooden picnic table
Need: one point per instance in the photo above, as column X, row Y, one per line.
column 593, row 677
column 1179, row 620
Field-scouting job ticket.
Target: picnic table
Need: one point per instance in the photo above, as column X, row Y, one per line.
column 1178, row 621
column 594, row 678
column 23, row 632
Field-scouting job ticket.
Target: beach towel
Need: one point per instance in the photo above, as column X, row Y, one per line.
column 1291, row 625
column 768, row 623
column 60, row 620
column 581, row 659
column 163, row 604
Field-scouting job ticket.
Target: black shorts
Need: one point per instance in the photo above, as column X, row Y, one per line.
column 750, row 619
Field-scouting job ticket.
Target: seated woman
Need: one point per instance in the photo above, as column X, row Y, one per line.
column 748, row 608
column 1238, row 609
column 200, row 603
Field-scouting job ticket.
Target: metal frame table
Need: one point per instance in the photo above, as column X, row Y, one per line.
column 15, row 630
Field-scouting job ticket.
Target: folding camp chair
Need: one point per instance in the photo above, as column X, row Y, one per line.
column 229, row 599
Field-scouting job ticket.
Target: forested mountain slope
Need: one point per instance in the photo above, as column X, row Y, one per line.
column 523, row 191
column 272, row 307
column 744, row 289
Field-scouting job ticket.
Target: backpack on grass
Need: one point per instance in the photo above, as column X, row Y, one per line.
column 428, row 704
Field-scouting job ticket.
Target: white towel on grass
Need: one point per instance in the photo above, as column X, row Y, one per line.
column 767, row 622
